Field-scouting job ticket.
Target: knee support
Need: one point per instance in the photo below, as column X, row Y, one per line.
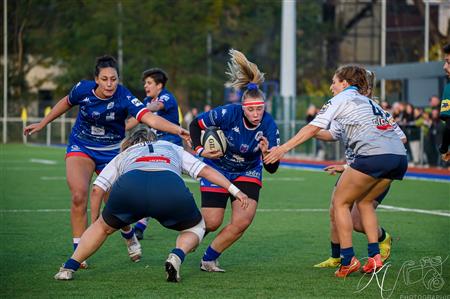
column 198, row 229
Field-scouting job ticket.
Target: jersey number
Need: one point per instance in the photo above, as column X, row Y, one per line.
column 376, row 110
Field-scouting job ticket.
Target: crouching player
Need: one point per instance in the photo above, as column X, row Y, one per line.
column 145, row 181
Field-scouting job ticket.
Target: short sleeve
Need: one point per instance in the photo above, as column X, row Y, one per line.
column 109, row 174
column 215, row 117
column 75, row 94
column 135, row 107
column 273, row 134
column 190, row 164
column 336, row 130
column 329, row 111
column 167, row 101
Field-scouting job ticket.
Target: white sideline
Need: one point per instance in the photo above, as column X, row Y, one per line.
column 420, row 211
column 42, row 161
column 385, row 208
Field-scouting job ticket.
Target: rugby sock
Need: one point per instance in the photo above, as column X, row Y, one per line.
column 75, row 243
column 383, row 235
column 72, row 264
column 141, row 224
column 346, row 255
column 373, row 249
column 335, row 250
column 210, row 254
column 180, row 253
column 127, row 234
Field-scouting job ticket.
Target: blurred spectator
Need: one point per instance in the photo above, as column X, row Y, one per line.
column 434, row 138
column 189, row 116
column 319, row 146
column 386, row 106
column 206, row 108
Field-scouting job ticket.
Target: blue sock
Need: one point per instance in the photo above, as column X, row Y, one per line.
column 335, row 250
column 127, row 235
column 140, row 226
column 210, row 254
column 180, row 253
column 383, row 235
column 373, row 249
column 346, row 255
column 72, row 264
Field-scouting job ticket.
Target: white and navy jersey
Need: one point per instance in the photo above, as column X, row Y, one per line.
column 243, row 151
column 169, row 112
column 366, row 126
column 150, row 156
column 100, row 123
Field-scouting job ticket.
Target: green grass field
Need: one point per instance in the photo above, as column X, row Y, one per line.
column 273, row 259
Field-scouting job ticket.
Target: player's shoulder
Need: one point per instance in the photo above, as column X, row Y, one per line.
column 166, row 95
column 84, row 86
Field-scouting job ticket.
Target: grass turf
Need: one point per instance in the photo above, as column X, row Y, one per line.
column 274, row 258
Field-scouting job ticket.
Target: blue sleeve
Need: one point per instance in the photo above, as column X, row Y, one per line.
column 168, row 101
column 273, row 134
column 216, row 117
column 76, row 94
column 134, row 106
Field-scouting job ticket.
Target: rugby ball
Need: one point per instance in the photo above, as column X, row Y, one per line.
column 214, row 139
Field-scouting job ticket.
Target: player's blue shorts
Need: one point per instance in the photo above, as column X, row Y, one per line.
column 161, row 195
column 251, row 176
column 386, row 166
column 100, row 158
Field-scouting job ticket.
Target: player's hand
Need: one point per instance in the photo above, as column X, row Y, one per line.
column 243, row 198
column 264, row 145
column 446, row 156
column 33, row 128
column 275, row 154
column 215, row 154
column 333, row 169
column 186, row 136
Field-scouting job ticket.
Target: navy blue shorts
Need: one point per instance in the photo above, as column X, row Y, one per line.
column 386, row 166
column 161, row 195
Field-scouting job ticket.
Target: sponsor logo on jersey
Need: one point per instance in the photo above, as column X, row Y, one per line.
column 95, row 115
column 236, row 129
column 110, row 116
column 382, row 123
column 243, row 148
column 324, row 107
column 85, row 100
column 252, row 173
column 237, row 158
column 110, row 105
column 258, row 135
column 75, row 148
column 163, row 98
column 136, row 102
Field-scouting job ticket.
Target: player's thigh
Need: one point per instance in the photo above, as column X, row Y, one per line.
column 378, row 189
column 79, row 172
column 241, row 216
column 353, row 185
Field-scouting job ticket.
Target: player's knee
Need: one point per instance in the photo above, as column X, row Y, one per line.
column 212, row 225
column 198, row 230
column 242, row 224
column 79, row 198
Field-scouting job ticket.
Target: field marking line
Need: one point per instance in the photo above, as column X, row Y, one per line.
column 419, row 211
column 43, row 161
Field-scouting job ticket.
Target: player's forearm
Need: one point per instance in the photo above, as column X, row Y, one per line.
column 59, row 109
column 131, row 123
column 445, row 138
column 160, row 123
column 306, row 133
column 196, row 133
column 214, row 177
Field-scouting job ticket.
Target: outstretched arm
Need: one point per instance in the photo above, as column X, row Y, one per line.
column 60, row 108
column 306, row 133
column 162, row 124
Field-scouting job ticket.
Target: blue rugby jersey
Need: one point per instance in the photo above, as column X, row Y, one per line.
column 170, row 113
column 243, row 151
column 101, row 122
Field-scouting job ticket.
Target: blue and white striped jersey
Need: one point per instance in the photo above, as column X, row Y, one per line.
column 150, row 156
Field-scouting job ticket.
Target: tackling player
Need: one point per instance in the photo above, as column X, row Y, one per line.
column 145, row 180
